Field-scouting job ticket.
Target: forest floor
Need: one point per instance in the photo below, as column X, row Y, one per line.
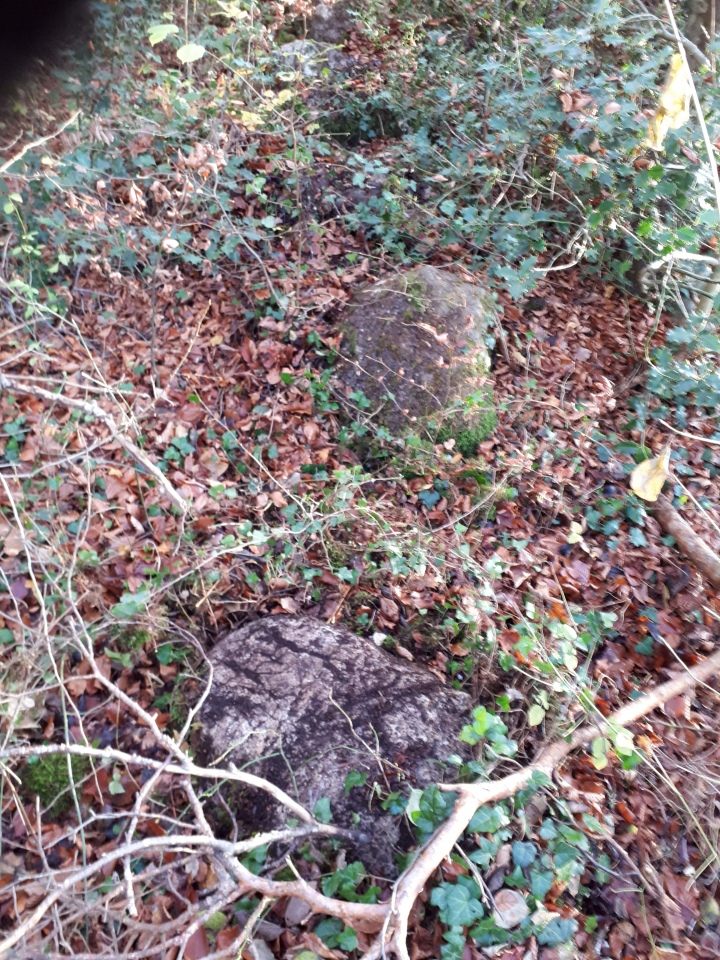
column 288, row 515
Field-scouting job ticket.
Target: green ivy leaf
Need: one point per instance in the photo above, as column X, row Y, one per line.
column 354, row 779
column 536, row 715
column 488, row 820
column 161, row 31
column 458, row 903
column 523, row 854
column 115, row 787
column 556, row 932
column 541, row 882
column 637, row 537
column 322, row 811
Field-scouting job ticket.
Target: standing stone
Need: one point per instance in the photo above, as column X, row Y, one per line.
column 415, row 344
column 331, row 22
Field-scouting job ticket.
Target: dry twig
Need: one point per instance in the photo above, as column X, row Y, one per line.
column 96, row 411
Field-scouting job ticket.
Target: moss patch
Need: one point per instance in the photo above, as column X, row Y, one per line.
column 473, row 427
column 48, row 778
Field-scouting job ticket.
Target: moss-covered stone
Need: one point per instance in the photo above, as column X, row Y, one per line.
column 48, row 778
column 415, row 345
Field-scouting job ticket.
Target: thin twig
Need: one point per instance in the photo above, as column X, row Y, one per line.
column 96, row 411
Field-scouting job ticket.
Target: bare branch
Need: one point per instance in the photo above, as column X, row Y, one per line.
column 38, row 143
column 689, row 543
column 471, row 796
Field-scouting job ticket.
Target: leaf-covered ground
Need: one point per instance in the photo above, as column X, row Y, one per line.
column 508, row 575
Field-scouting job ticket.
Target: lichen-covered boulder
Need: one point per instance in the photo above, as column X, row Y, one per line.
column 331, row 22
column 312, row 59
column 304, row 704
column 415, row 345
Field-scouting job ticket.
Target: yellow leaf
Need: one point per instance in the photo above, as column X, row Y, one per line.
column 250, row 120
column 648, row 477
column 673, row 109
column 575, row 535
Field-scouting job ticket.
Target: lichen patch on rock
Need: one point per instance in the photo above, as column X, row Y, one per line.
column 304, row 704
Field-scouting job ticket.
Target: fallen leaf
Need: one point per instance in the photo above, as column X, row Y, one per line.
column 389, row 608
column 676, row 708
column 648, row 477
column 510, row 909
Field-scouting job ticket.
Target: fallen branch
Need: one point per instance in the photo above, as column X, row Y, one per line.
column 352, row 913
column 96, row 411
column 689, row 543
column 473, row 795
column 184, row 768
column 38, row 143
column 390, row 919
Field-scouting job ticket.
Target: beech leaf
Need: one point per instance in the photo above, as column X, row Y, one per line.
column 648, row 477
column 673, row 109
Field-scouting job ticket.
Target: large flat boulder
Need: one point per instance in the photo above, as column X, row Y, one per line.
column 304, row 704
column 415, row 344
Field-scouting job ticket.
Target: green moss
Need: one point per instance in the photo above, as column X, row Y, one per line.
column 48, row 778
column 339, row 553
column 216, row 921
column 132, row 641
column 472, row 428
column 478, row 472
column 363, row 597
column 469, row 440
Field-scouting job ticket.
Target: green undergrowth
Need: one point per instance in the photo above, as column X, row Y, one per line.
column 550, row 854
column 487, row 164
column 524, row 144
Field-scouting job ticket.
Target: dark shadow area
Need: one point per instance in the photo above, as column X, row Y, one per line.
column 31, row 29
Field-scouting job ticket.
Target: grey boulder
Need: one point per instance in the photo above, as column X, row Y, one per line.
column 305, row 704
